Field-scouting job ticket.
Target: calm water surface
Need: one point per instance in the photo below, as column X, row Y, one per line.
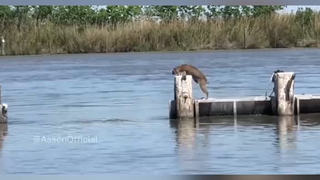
column 117, row 107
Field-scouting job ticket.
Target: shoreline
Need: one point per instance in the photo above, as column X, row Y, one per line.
column 256, row 30
column 168, row 52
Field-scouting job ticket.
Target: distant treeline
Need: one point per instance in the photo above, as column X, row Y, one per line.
column 111, row 15
column 85, row 29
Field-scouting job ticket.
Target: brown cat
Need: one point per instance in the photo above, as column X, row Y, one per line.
column 196, row 74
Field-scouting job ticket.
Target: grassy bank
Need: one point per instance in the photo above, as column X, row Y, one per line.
column 277, row 31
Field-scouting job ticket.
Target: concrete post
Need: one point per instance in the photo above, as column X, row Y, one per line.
column 284, row 93
column 184, row 96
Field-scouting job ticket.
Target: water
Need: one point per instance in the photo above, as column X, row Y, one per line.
column 120, row 102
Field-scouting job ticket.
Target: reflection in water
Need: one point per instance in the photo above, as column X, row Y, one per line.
column 286, row 132
column 308, row 120
column 253, row 177
column 235, row 124
column 3, row 133
column 186, row 142
column 204, row 131
column 285, row 126
column 185, row 132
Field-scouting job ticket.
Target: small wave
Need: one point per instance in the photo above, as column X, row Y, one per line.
column 113, row 120
column 22, row 122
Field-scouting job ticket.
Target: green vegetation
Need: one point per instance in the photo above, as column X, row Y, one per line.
column 88, row 29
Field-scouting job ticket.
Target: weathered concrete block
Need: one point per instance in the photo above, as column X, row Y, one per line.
column 262, row 107
column 284, row 93
column 3, row 109
column 215, row 108
column 184, row 96
column 221, row 107
column 3, row 115
column 309, row 105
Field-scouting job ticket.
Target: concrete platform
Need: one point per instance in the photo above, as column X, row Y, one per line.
column 284, row 102
column 225, row 107
column 307, row 103
column 235, row 106
column 259, row 105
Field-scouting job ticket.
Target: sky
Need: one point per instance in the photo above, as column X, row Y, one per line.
column 295, row 8
column 288, row 9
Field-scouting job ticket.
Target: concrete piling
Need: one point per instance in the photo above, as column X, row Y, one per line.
column 284, row 93
column 184, row 96
column 3, row 111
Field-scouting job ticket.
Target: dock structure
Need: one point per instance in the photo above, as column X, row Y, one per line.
column 3, row 111
column 283, row 103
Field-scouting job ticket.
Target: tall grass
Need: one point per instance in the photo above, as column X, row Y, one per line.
column 276, row 31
